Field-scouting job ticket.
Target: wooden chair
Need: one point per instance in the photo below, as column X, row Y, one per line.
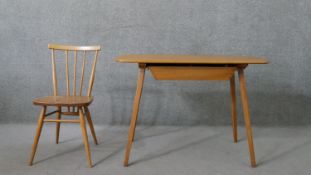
column 75, row 103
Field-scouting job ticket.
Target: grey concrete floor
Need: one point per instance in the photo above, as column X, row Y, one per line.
column 157, row 150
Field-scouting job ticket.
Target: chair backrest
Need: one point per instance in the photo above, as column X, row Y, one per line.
column 66, row 49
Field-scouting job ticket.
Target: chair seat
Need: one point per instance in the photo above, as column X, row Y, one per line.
column 63, row 101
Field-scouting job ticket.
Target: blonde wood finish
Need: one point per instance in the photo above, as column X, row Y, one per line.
column 63, row 101
column 58, row 117
column 182, row 67
column 70, row 113
column 233, row 109
column 191, row 72
column 191, row 59
column 70, row 100
column 54, row 73
column 95, row 51
column 63, row 121
column 90, row 122
column 75, row 73
column 82, row 72
column 67, row 77
column 73, row 48
column 85, row 139
column 67, row 74
column 37, row 136
column 74, row 76
column 131, row 133
column 247, row 120
column 92, row 75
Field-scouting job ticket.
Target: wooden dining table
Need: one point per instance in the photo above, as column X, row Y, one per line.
column 194, row 67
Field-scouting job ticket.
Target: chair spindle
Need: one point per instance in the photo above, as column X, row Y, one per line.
column 54, row 73
column 75, row 73
column 92, row 75
column 74, row 76
column 82, row 72
column 67, row 77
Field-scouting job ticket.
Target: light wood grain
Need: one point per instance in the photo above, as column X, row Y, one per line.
column 82, row 73
column 85, row 138
column 58, row 117
column 233, row 109
column 194, row 67
column 74, row 76
column 131, row 133
column 71, row 113
column 92, row 75
column 191, row 73
column 71, row 101
column 62, row 121
column 67, row 77
column 55, row 90
column 75, row 73
column 190, row 59
column 72, row 48
column 247, row 117
column 67, row 74
column 63, row 101
column 37, row 136
column 90, row 122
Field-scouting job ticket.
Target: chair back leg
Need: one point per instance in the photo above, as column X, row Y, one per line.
column 58, row 117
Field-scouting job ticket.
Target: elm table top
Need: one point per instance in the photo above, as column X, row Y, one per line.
column 189, row 59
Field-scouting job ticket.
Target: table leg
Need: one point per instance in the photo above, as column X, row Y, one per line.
column 233, row 109
column 247, row 117
column 140, row 82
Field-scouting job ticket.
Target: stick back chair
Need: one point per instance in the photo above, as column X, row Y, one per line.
column 75, row 103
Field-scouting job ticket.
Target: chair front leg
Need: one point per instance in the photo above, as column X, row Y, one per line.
column 89, row 120
column 37, row 135
column 85, row 138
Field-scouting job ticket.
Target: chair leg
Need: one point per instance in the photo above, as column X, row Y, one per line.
column 133, row 138
column 58, row 117
column 85, row 139
column 247, row 117
column 37, row 135
column 89, row 120
column 233, row 109
column 135, row 110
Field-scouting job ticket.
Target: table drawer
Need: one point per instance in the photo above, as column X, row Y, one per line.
column 191, row 72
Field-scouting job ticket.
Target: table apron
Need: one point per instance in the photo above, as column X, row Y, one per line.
column 192, row 72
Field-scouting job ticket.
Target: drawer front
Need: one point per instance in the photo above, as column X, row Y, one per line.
column 191, row 72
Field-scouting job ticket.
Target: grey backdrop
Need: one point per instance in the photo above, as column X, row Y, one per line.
column 279, row 93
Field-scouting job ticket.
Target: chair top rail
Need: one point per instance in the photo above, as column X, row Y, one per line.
column 73, row 48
